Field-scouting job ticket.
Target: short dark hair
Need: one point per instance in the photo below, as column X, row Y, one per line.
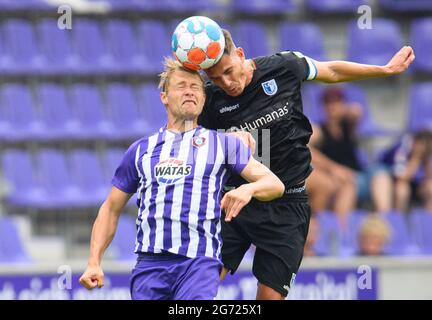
column 333, row 94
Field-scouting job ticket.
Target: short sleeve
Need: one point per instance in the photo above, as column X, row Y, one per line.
column 237, row 154
column 302, row 66
column 126, row 177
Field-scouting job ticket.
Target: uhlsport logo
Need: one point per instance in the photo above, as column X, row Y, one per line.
column 171, row 170
column 270, row 87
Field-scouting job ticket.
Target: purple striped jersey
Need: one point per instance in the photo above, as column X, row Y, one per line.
column 179, row 178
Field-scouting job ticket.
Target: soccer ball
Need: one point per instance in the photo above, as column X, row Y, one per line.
column 198, row 43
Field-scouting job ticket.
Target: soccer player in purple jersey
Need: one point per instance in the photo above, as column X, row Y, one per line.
column 178, row 173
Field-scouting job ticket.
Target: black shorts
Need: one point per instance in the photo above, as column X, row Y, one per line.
column 278, row 229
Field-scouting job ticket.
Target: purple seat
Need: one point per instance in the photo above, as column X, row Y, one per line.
column 252, row 37
column 56, row 46
column 18, row 120
column 421, row 40
column 88, row 109
column 91, row 47
column 56, row 180
column 123, row 45
column 304, row 37
column 87, row 176
column 123, row 113
column 311, row 96
column 11, row 245
column 111, row 161
column 154, row 43
column 406, row 5
column 420, row 112
column 335, row 6
column 123, row 244
column 21, row 48
column 21, row 177
column 329, row 236
column 400, row 242
column 263, row 6
column 349, row 238
column 56, row 114
column 25, row 5
column 374, row 46
column 151, row 107
column 421, row 225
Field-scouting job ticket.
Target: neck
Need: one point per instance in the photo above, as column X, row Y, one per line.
column 181, row 125
column 250, row 68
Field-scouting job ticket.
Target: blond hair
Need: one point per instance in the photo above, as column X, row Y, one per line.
column 374, row 225
column 171, row 66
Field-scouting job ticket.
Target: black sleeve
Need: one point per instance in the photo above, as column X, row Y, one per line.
column 302, row 66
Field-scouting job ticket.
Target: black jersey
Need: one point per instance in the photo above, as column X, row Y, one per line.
column 272, row 100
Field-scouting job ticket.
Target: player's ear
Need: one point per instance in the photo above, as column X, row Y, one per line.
column 164, row 97
column 240, row 53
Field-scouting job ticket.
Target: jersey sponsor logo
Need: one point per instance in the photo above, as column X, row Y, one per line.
column 198, row 141
column 264, row 120
column 270, row 87
column 229, row 108
column 171, row 170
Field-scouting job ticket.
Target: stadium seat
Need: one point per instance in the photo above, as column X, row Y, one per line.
column 11, row 245
column 18, row 120
column 303, row 37
column 88, row 109
column 329, row 237
column 420, row 111
column 335, row 6
column 400, row 242
column 56, row 47
column 405, row 5
column 374, row 46
column 87, row 176
column 263, row 6
column 154, row 44
column 56, row 180
column 151, row 107
column 123, row 244
column 91, row 47
column 56, row 113
column 123, row 113
column 252, row 37
column 111, row 161
column 24, row 189
column 25, row 5
column 21, row 48
column 421, row 226
column 349, row 237
column 123, row 45
column 421, row 41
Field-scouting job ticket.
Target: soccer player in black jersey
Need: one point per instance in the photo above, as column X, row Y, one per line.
column 264, row 93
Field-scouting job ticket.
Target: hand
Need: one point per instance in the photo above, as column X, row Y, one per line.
column 234, row 200
column 92, row 277
column 400, row 61
column 246, row 138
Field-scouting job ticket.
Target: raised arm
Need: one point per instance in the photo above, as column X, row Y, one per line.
column 102, row 234
column 263, row 185
column 341, row 71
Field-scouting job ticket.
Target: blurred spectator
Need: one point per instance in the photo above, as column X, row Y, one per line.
column 410, row 161
column 374, row 234
column 334, row 155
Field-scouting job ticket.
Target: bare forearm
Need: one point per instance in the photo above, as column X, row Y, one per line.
column 341, row 71
column 267, row 188
column 102, row 234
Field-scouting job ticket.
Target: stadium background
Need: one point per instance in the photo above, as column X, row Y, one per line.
column 71, row 101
